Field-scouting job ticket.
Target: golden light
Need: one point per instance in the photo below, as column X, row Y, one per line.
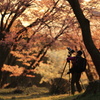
column 84, row 1
column 87, row 0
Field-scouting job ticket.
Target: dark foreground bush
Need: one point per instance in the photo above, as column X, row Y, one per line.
column 59, row 86
column 92, row 91
column 93, row 88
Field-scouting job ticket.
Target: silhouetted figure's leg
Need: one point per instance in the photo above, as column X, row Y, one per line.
column 73, row 83
column 78, row 86
column 75, row 79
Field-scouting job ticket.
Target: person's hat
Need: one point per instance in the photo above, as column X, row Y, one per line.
column 79, row 52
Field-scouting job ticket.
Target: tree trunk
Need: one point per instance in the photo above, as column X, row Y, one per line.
column 4, row 51
column 86, row 34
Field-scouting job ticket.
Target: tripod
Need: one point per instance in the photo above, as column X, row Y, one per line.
column 63, row 73
column 69, row 74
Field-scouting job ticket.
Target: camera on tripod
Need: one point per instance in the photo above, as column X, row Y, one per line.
column 70, row 50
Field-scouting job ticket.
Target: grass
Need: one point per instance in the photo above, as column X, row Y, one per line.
column 31, row 93
column 36, row 93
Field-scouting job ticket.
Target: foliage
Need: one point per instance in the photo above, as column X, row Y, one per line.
column 55, row 63
column 30, row 28
column 59, row 86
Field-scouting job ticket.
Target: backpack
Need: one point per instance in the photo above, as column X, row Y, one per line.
column 80, row 64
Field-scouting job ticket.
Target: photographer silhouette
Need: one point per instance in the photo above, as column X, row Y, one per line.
column 78, row 66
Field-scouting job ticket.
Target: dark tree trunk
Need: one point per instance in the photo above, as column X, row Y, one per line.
column 4, row 51
column 86, row 33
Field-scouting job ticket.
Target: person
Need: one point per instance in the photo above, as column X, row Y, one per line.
column 75, row 73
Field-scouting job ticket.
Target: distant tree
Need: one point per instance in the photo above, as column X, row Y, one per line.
column 9, row 11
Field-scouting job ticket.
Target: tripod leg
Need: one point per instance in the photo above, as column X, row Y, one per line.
column 64, row 69
column 61, row 77
column 69, row 81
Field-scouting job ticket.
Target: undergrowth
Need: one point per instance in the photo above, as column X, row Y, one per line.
column 37, row 93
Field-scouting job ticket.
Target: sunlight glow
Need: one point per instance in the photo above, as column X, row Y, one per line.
column 87, row 0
